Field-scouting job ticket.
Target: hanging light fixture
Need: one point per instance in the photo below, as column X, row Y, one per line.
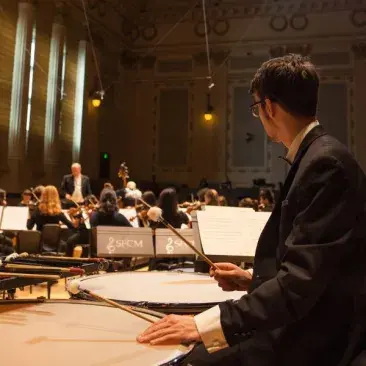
column 97, row 98
column 209, row 110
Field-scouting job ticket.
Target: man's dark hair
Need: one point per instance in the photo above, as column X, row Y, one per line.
column 292, row 81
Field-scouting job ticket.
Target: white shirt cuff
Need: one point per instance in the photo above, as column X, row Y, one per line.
column 209, row 327
column 250, row 270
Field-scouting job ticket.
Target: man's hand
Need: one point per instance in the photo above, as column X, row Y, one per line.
column 67, row 196
column 231, row 277
column 173, row 329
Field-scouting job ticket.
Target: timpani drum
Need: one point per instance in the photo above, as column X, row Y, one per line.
column 167, row 292
column 60, row 333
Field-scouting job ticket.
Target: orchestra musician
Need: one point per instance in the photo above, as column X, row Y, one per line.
column 211, row 198
column 49, row 212
column 26, row 198
column 150, row 198
column 306, row 303
column 38, row 192
column 75, row 187
column 266, row 201
column 107, row 213
column 168, row 202
column 223, row 201
column 247, row 202
column 80, row 234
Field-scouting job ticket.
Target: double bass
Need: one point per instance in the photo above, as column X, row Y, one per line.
column 123, row 174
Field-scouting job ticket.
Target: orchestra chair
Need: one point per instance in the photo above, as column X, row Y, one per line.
column 51, row 240
column 28, row 242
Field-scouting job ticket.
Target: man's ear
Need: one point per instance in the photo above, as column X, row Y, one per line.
column 269, row 107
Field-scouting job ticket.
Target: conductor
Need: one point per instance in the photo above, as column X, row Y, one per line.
column 306, row 300
column 75, row 187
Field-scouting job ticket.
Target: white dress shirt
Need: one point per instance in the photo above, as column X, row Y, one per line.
column 293, row 149
column 77, row 195
column 208, row 323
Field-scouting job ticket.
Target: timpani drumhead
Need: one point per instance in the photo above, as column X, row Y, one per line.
column 60, row 333
column 169, row 292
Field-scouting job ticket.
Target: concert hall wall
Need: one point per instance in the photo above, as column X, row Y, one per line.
column 155, row 76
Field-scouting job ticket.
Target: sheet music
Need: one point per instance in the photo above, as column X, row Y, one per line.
column 129, row 213
column 231, row 231
column 14, row 218
column 213, row 208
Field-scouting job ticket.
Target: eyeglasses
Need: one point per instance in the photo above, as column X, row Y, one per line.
column 254, row 108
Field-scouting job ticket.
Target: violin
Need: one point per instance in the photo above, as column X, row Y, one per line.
column 142, row 216
column 191, row 206
column 37, row 200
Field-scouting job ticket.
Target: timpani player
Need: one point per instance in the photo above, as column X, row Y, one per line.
column 305, row 304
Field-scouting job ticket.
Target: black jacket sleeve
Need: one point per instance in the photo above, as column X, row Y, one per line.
column 66, row 221
column 325, row 219
column 32, row 220
column 63, row 187
column 88, row 190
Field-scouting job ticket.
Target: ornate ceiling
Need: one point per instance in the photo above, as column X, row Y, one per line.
column 167, row 11
column 134, row 19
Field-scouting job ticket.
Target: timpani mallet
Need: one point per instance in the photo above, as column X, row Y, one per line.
column 155, row 214
column 71, row 270
column 74, row 288
column 70, row 259
column 29, row 275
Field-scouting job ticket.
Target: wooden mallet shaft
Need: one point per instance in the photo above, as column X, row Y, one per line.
column 29, row 275
column 181, row 237
column 64, row 258
column 43, row 268
column 116, row 305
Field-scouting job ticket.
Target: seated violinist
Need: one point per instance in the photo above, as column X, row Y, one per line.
column 223, row 201
column 38, row 192
column 211, row 198
column 168, row 202
column 107, row 214
column 248, row 202
column 48, row 211
column 26, row 198
column 150, row 198
column 266, row 201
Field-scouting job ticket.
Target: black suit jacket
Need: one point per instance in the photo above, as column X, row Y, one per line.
column 309, row 269
column 68, row 185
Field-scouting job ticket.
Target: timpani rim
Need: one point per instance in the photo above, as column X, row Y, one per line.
column 160, row 307
column 77, row 302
